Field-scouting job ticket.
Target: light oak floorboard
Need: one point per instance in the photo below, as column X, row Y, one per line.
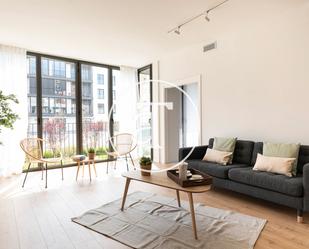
column 39, row 218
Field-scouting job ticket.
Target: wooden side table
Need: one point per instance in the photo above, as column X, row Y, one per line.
column 78, row 159
column 90, row 162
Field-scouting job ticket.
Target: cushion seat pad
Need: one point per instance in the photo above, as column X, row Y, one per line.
column 292, row 186
column 213, row 169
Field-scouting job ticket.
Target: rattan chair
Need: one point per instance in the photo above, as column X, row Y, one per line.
column 33, row 150
column 122, row 145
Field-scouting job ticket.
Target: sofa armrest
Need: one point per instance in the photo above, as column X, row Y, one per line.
column 306, row 186
column 197, row 153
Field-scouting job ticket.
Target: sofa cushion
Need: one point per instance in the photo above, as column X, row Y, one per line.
column 213, row 169
column 282, row 150
column 292, row 186
column 242, row 153
column 217, row 156
column 226, row 144
column 277, row 165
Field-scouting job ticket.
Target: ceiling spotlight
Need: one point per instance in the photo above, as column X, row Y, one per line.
column 206, row 17
column 177, row 31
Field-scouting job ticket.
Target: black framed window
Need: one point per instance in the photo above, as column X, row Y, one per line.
column 61, row 97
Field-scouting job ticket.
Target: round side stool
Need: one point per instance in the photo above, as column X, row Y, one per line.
column 78, row 159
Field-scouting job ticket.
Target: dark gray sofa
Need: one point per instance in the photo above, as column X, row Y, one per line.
column 239, row 176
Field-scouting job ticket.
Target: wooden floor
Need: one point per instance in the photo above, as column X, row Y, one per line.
column 36, row 218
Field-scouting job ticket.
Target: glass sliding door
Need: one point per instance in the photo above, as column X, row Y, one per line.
column 68, row 105
column 145, row 111
column 95, row 108
column 58, row 107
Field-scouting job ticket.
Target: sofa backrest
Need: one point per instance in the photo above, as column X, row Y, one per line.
column 303, row 158
column 246, row 153
column 257, row 148
column 242, row 153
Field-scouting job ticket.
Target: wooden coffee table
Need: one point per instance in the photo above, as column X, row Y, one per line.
column 161, row 179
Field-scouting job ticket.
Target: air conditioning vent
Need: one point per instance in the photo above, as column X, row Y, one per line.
column 210, row 47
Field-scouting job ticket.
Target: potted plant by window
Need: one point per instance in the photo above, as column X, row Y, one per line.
column 145, row 164
column 7, row 116
column 91, row 153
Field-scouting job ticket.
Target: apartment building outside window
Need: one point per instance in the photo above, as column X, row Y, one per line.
column 101, row 109
column 100, row 93
column 100, row 79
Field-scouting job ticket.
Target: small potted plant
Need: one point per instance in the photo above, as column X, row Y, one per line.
column 145, row 164
column 91, row 153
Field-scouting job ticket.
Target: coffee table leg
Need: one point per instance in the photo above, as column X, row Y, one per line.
column 125, row 193
column 192, row 214
column 178, row 198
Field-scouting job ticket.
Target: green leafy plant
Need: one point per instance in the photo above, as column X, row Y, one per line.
column 101, row 151
column 145, row 160
column 91, row 150
column 7, row 116
column 51, row 154
column 48, row 154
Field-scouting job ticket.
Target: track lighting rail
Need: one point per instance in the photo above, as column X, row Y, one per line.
column 205, row 13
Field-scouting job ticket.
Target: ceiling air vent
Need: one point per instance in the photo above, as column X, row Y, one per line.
column 210, row 47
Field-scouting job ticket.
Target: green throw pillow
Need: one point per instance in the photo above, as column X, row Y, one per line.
column 225, row 144
column 282, row 150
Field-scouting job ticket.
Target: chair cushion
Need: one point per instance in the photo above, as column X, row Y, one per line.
column 292, row 186
column 213, row 169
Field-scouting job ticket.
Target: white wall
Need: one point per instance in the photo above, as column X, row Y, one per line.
column 255, row 85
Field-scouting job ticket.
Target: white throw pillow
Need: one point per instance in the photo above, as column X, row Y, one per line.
column 279, row 165
column 217, row 156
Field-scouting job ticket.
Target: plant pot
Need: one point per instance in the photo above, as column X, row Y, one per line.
column 91, row 156
column 145, row 167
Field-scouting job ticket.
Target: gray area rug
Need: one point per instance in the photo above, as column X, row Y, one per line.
column 153, row 221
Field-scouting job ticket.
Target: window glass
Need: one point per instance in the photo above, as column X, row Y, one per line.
column 100, row 93
column 100, row 79
column 101, row 108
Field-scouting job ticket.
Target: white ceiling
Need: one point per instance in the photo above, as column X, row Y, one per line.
column 118, row 32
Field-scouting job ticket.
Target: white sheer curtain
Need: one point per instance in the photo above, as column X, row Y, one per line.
column 13, row 80
column 125, row 102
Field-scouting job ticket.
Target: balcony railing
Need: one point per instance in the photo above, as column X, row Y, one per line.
column 61, row 136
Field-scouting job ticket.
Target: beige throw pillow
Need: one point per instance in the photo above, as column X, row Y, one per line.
column 216, row 156
column 225, row 144
column 279, row 165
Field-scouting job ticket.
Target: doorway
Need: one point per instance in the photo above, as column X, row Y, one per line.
column 182, row 125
